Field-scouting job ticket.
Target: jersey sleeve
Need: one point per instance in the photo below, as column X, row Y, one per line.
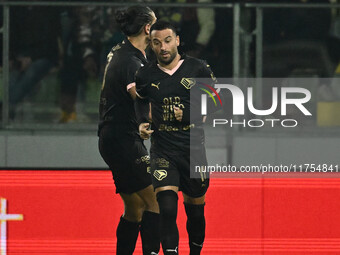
column 142, row 101
column 214, row 103
column 205, row 76
column 141, row 84
column 130, row 72
column 206, row 72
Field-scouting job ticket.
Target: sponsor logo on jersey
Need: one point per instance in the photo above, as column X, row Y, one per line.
column 160, row 174
column 162, row 162
column 145, row 159
column 188, row 82
column 155, row 85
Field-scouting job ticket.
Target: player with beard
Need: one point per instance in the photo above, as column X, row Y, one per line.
column 166, row 84
column 119, row 143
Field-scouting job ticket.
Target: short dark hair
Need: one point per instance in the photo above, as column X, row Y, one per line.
column 161, row 25
column 133, row 19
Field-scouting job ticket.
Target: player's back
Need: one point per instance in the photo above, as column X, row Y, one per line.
column 116, row 104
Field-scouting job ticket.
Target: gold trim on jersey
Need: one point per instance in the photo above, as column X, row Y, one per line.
column 109, row 58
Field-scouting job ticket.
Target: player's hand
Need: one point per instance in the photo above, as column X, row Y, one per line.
column 144, row 131
column 178, row 113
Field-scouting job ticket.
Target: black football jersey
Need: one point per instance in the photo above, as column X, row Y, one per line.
column 116, row 105
column 164, row 91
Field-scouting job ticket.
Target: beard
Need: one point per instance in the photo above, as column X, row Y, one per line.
column 169, row 60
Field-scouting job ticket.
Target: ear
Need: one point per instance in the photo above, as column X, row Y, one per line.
column 177, row 40
column 147, row 29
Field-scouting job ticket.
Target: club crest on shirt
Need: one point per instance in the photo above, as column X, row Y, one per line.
column 188, row 82
column 160, row 174
column 155, row 85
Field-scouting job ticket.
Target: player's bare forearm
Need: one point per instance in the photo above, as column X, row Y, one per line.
column 132, row 92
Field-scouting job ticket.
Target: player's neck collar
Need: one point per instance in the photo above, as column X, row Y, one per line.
column 130, row 45
column 173, row 70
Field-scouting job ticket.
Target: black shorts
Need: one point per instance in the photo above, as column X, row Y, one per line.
column 127, row 157
column 173, row 169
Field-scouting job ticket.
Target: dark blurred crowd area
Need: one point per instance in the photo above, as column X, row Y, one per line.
column 73, row 42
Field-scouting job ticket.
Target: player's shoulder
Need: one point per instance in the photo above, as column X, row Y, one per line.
column 147, row 70
column 200, row 67
column 195, row 62
column 123, row 56
column 118, row 49
column 124, row 47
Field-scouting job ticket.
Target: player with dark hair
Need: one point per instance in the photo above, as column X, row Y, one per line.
column 166, row 84
column 119, row 143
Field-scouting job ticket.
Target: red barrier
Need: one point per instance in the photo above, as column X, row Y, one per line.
column 76, row 212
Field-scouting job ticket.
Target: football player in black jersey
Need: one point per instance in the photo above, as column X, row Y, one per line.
column 166, row 84
column 119, row 143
